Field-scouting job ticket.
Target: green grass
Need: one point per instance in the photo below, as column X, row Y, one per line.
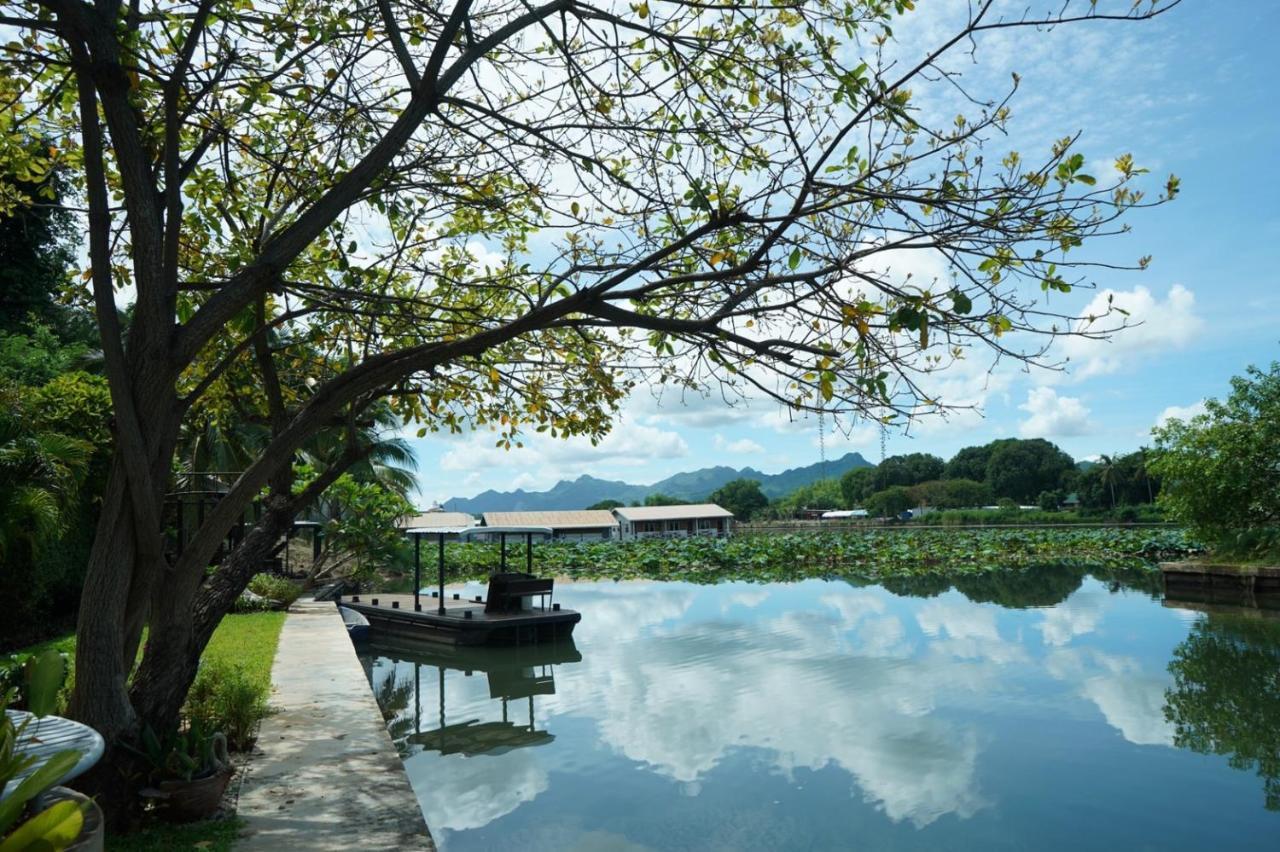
column 248, row 641
column 209, row 836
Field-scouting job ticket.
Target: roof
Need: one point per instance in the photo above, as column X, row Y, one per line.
column 585, row 519
column 673, row 513
column 437, row 519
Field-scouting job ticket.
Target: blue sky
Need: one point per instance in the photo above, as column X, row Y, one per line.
column 1194, row 93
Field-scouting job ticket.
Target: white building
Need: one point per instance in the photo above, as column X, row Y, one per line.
column 673, row 521
column 584, row 525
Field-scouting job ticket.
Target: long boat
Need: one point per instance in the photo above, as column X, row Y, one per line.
column 507, row 615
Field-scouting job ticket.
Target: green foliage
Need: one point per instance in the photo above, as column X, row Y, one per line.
column 743, row 497
column 660, row 499
column 951, row 494
column 36, row 355
column 890, row 502
column 229, row 699
column 1049, row 501
column 1221, row 470
column 185, row 753
column 819, row 494
column 857, row 485
column 910, row 469
column 43, row 676
column 1118, row 481
column 1021, row 469
column 1225, row 697
column 360, row 526
column 606, row 505
column 275, row 588
column 217, row 835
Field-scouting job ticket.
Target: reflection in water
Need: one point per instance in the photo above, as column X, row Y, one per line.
column 1225, row 697
column 997, row 712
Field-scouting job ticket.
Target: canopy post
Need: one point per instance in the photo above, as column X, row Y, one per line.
column 440, row 568
column 417, row 570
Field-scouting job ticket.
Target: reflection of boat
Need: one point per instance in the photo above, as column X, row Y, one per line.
column 513, row 674
column 357, row 624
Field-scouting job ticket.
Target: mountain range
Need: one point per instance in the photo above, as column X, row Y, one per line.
column 690, row 485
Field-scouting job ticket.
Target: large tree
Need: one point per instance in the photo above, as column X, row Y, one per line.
column 503, row 214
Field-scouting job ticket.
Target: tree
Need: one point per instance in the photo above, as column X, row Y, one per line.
column 1220, row 471
column 349, row 194
column 1049, row 501
column 743, row 497
column 857, row 485
column 910, row 469
column 657, row 498
column 951, row 494
column 819, row 494
column 606, row 505
column 970, row 463
column 361, row 530
column 1021, row 469
column 890, row 502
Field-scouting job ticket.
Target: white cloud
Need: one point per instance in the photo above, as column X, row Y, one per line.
column 742, row 446
column 1180, row 412
column 1053, row 416
column 1160, row 325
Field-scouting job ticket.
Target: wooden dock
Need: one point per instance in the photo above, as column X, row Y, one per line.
column 463, row 622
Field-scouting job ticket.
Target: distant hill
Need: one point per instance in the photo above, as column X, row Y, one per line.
column 692, row 485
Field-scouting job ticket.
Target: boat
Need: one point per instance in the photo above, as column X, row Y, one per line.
column 506, row 615
column 357, row 624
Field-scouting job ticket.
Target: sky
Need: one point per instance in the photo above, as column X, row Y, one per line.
column 1193, row 93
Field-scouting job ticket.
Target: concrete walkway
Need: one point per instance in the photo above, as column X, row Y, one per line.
column 328, row 777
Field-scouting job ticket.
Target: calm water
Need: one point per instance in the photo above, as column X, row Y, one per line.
column 1050, row 710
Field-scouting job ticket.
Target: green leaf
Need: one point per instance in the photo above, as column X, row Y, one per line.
column 45, row 674
column 794, row 261
column 35, row 784
column 960, row 303
column 56, row 827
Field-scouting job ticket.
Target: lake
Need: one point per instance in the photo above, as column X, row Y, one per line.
column 1045, row 709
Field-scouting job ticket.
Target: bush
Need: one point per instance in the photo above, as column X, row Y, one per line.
column 274, row 588
column 225, row 698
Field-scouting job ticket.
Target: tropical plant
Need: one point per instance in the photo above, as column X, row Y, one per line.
column 184, row 753
column 40, row 476
column 224, row 698
column 58, row 825
column 360, row 527
column 274, row 588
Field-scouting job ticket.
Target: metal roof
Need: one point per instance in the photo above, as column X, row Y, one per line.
column 512, row 529
column 584, row 519
column 438, row 519
column 673, row 513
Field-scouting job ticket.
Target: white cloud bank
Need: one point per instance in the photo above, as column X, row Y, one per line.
column 1159, row 326
column 1053, row 416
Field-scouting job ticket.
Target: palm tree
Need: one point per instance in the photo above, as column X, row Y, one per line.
column 1108, row 473
column 40, row 477
column 386, row 458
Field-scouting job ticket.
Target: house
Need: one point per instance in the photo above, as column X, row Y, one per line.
column 584, row 525
column 673, row 521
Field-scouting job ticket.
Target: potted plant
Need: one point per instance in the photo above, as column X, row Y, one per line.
column 188, row 771
column 34, row 814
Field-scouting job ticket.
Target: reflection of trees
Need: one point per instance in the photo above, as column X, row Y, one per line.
column 393, row 699
column 1037, row 585
column 1018, row 588
column 1225, row 697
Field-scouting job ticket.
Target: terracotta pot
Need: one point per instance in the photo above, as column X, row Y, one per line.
column 93, row 831
column 199, row 798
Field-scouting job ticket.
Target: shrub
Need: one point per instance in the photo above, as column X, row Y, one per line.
column 274, row 588
column 224, row 698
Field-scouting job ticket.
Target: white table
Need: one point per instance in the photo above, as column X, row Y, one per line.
column 45, row 737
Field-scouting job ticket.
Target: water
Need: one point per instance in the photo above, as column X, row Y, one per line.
column 1019, row 711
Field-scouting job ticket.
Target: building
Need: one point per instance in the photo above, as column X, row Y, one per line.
column 673, row 521
column 584, row 525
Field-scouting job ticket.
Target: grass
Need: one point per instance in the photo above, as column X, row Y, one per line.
column 212, row 836
column 248, row 641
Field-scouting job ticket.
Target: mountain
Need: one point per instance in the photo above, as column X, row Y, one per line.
column 692, row 485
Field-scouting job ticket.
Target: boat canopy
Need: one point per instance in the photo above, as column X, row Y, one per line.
column 472, row 532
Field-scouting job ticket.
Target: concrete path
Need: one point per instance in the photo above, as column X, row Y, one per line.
column 328, row 777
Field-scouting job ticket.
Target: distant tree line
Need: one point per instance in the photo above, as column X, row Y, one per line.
column 1008, row 472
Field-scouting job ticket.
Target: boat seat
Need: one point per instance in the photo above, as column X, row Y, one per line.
column 507, row 591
